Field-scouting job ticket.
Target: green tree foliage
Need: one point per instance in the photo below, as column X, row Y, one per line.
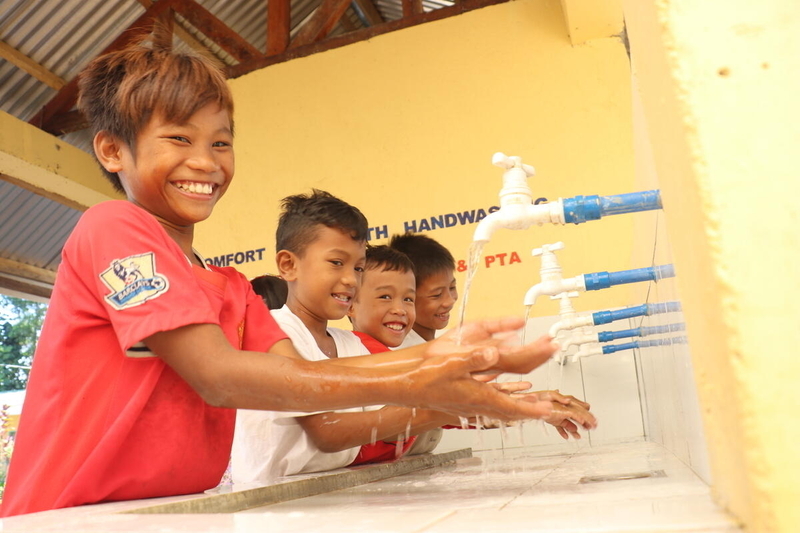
column 20, row 324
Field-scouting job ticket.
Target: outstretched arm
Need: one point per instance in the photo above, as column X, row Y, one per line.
column 443, row 381
column 333, row 432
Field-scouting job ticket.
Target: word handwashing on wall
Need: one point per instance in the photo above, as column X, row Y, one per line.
column 445, row 220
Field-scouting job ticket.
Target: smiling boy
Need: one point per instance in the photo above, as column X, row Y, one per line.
column 135, row 376
column 434, row 271
column 320, row 244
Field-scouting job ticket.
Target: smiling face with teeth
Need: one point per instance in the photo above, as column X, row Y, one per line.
column 384, row 308
column 436, row 296
column 177, row 172
column 323, row 279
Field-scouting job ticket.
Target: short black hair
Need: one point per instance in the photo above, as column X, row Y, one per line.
column 387, row 259
column 301, row 214
column 428, row 256
column 273, row 290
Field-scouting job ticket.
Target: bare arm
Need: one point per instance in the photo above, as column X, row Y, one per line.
column 334, row 432
column 227, row 377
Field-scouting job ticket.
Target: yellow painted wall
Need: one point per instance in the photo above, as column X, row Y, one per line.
column 719, row 84
column 404, row 126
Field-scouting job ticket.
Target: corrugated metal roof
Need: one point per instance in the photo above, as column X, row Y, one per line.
column 34, row 228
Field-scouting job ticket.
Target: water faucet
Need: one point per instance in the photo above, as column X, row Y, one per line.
column 517, row 210
column 552, row 283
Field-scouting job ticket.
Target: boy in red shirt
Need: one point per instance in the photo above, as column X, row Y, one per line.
column 146, row 349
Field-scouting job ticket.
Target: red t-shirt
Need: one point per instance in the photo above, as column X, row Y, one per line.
column 103, row 418
column 381, row 450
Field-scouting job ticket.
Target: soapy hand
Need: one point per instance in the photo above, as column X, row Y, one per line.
column 444, row 380
column 568, row 413
column 502, row 336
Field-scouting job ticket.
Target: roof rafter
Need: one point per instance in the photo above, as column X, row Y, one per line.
column 15, row 57
column 216, row 30
column 369, row 11
column 184, row 35
column 321, row 22
column 358, row 35
column 412, row 7
column 279, row 24
column 66, row 97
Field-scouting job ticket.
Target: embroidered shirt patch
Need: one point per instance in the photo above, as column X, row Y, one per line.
column 133, row 281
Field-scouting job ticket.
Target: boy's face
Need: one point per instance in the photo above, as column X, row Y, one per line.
column 179, row 171
column 384, row 308
column 436, row 296
column 323, row 282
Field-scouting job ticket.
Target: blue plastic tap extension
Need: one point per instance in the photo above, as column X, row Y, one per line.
column 606, row 317
column 606, row 336
column 643, row 344
column 582, row 208
column 603, row 280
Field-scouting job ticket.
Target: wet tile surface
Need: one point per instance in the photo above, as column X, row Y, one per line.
column 525, row 490
column 522, row 489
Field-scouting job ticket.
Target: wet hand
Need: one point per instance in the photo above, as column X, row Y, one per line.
column 499, row 335
column 564, row 399
column 567, row 417
column 445, row 383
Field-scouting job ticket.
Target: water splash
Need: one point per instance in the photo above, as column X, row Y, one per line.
column 473, row 258
column 373, row 435
column 464, row 422
column 525, row 327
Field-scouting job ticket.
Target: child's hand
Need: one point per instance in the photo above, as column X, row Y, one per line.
column 563, row 399
column 500, row 335
column 568, row 413
column 444, row 379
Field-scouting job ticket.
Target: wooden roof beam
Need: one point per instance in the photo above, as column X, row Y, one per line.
column 185, row 36
column 66, row 97
column 321, row 22
column 371, row 12
column 279, row 22
column 216, row 30
column 359, row 35
column 412, row 7
column 20, row 60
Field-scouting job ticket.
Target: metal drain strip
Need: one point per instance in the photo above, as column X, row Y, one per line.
column 623, row 477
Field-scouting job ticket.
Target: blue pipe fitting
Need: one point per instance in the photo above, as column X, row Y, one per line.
column 603, row 280
column 643, row 344
column 606, row 336
column 606, row 317
column 580, row 209
column 620, row 347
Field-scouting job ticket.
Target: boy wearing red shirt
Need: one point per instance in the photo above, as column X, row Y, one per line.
column 145, row 348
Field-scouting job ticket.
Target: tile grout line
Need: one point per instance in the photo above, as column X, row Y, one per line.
column 570, row 456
